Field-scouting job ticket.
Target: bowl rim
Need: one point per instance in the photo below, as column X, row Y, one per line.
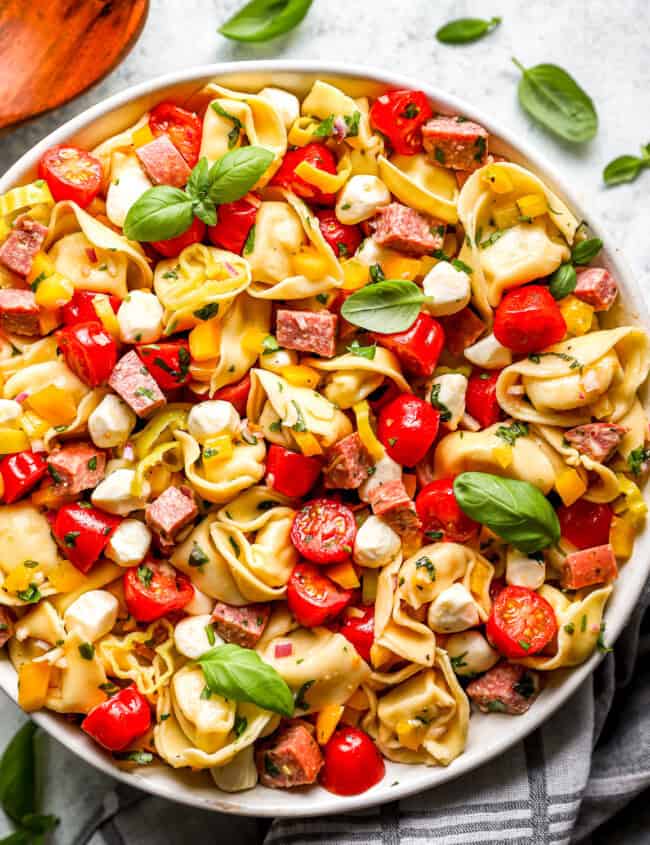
column 551, row 699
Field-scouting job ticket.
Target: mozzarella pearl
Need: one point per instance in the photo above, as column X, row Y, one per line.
column 212, row 417
column 453, row 610
column 450, row 393
column 128, row 183
column 140, row 318
column 361, row 198
column 191, row 638
column 386, row 469
column 376, row 543
column 522, row 571
column 129, row 543
column 92, row 615
column 113, row 494
column 449, row 289
column 471, row 653
column 111, row 423
column 489, row 354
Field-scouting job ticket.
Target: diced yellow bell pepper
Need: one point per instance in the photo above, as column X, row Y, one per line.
column 252, row 340
column 107, row 317
column 142, row 136
column 577, row 315
column 366, row 432
column 19, row 578
column 344, row 574
column 205, row 340
column 53, row 404
column 401, row 267
column 307, row 443
column 300, row 375
column 369, row 582
column 355, row 274
column 302, row 131
column 379, row 655
column 159, row 479
column 532, row 205
column 570, row 486
column 326, row 722
column 497, row 179
column 622, row 533
column 12, row 440
column 358, row 700
column 216, row 450
column 33, row 682
column 409, row 734
column 54, row 292
column 310, row 263
column 42, row 267
column 503, row 455
column 65, row 577
column 428, row 262
column 506, row 215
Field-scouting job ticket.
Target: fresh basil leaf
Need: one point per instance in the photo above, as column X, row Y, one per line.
column 466, row 30
column 385, row 307
column 39, row 824
column 514, row 510
column 233, row 176
column 18, row 837
column 563, row 281
column 205, row 211
column 235, row 133
column 624, row 169
column 159, row 214
column 362, row 351
column 550, row 95
column 241, row 675
column 18, row 775
column 261, row 20
column 586, row 251
column 199, row 181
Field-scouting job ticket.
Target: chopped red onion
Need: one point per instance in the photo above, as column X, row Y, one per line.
column 92, row 255
column 284, row 649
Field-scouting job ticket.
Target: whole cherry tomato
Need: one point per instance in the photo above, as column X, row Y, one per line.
column 183, row 127
column 83, row 533
column 399, row 116
column 481, row 398
column 167, row 361
column 407, row 427
column 290, row 473
column 315, row 154
column 118, row 722
column 352, row 762
column 358, row 627
column 236, row 393
column 71, row 174
column 313, row 598
column 80, row 309
column 152, row 590
column 323, row 531
column 528, row 319
column 234, row 223
column 585, row 524
column 89, row 351
column 20, row 472
column 174, row 246
column 344, row 240
column 417, row 348
column 521, row 622
column 439, row 511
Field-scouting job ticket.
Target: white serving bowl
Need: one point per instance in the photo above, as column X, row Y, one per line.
column 489, row 735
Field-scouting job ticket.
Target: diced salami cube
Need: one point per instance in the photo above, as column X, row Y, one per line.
column 240, row 625
column 163, row 164
column 6, row 626
column 455, row 142
column 461, row 330
column 170, row 512
column 347, row 465
column 598, row 441
column 24, row 241
column 587, row 567
column 393, row 503
column 19, row 313
column 291, row 758
column 307, row 331
column 506, row 688
column 597, row 287
column 77, row 467
column 403, row 228
column 132, row 381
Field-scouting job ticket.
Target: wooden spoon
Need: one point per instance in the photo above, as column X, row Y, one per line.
column 52, row 50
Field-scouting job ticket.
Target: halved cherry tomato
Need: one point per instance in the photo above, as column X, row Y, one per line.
column 358, row 627
column 585, row 524
column 383, row 395
column 174, row 246
column 89, row 351
column 71, row 174
column 439, row 511
column 236, row 393
column 183, row 127
column 80, row 309
column 20, row 472
column 168, row 362
column 521, row 622
column 481, row 398
column 314, row 598
column 290, row 473
column 407, row 427
column 83, row 533
column 118, row 722
column 152, row 590
column 315, row 154
column 417, row 348
column 528, row 319
column 344, row 240
column 352, row 762
column 323, row 531
column 234, row 222
column 399, row 116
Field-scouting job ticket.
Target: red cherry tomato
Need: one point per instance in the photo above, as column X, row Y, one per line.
column 439, row 511
column 399, row 116
column 118, row 722
column 417, row 348
column 315, row 154
column 83, row 533
column 168, row 362
column 174, row 246
column 407, row 427
column 236, row 393
column 344, row 240
column 80, row 309
column 528, row 319
column 521, row 622
column 20, row 472
column 152, row 590
column 323, row 531
column 71, row 174
column 89, row 351
column 384, row 395
column 183, row 127
column 290, row 473
column 234, row 222
column 585, row 524
column 314, row 598
column 481, row 398
column 359, row 628
column 352, row 763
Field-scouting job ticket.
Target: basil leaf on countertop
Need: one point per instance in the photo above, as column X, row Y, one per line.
column 386, row 307
column 626, row 168
column 550, row 95
column 241, row 675
column 261, row 20
column 235, row 173
column 466, row 30
column 585, row 251
column 516, row 511
column 160, row 213
column 563, row 281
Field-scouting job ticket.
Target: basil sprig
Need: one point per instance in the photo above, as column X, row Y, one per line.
column 514, row 510
column 241, row 675
column 261, row 20
column 553, row 97
column 163, row 212
column 386, row 307
column 466, row 30
column 626, row 168
column 564, row 280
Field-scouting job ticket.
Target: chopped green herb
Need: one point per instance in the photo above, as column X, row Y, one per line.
column 376, row 273
column 445, row 413
column 145, row 575
column 235, row 546
column 31, row 595
column 362, row 351
column 208, row 311
column 87, row 651
column 235, row 133
column 241, row 723
column 426, row 563
column 269, row 345
column 70, row 538
column 300, row 702
column 209, row 632
column 511, row 432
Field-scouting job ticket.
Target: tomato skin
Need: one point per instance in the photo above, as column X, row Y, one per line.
column 419, row 347
column 168, row 362
column 174, row 246
column 234, row 222
column 390, row 116
column 438, row 509
column 236, row 393
column 89, row 351
column 20, row 472
column 344, row 240
column 83, row 533
column 360, row 630
column 183, row 127
column 528, row 319
column 71, row 174
column 520, row 615
column 323, row 531
column 116, row 723
column 352, row 762
column 80, row 309
column 407, row 427
column 481, row 398
column 585, row 524
column 315, row 154
column 313, row 598
column 168, row 590
column 290, row 473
